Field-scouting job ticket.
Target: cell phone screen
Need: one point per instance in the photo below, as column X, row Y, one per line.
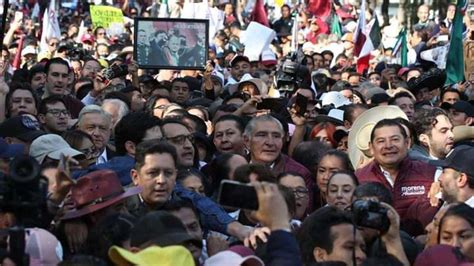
column 301, row 104
column 234, row 194
column 270, row 104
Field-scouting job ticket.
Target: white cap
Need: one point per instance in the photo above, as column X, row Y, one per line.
column 52, row 146
column 336, row 114
column 218, row 75
column 268, row 57
column 230, row 258
column 334, row 97
column 28, row 50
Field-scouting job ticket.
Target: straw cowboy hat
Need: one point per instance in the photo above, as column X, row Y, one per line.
column 359, row 135
column 393, row 92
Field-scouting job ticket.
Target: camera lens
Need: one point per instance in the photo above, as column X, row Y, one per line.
column 24, row 169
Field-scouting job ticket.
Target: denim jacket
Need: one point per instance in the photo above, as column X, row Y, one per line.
column 211, row 215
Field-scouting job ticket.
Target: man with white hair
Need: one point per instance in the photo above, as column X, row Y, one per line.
column 263, row 137
column 97, row 123
column 116, row 109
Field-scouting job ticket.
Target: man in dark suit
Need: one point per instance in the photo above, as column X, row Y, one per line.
column 143, row 48
column 194, row 56
column 157, row 43
column 97, row 123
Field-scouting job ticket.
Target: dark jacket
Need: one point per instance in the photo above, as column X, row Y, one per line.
column 410, row 191
column 283, row 26
column 211, row 215
column 419, row 153
column 282, row 249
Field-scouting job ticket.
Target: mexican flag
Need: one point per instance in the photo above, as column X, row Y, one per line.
column 366, row 38
column 401, row 49
column 455, row 60
column 336, row 26
column 50, row 26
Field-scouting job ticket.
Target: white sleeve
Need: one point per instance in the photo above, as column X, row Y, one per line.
column 88, row 99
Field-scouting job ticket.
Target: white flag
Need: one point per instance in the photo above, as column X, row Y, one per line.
column 164, row 11
column 50, row 26
column 82, row 31
column 36, row 11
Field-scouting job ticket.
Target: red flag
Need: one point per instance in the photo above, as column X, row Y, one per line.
column 360, row 38
column 363, row 63
column 259, row 14
column 320, row 8
column 17, row 61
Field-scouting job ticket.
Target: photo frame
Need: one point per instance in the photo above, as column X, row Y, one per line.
column 168, row 43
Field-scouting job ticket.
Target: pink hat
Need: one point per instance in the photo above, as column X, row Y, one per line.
column 42, row 247
column 231, row 258
column 268, row 58
column 242, row 250
column 87, row 38
column 403, row 71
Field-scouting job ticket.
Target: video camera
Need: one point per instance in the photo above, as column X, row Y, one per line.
column 286, row 75
column 292, row 74
column 371, row 214
column 115, row 71
column 22, row 192
column 73, row 50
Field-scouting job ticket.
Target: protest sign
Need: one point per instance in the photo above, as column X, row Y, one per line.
column 254, row 48
column 105, row 16
column 171, row 43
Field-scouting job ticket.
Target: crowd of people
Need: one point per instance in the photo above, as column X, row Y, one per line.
column 348, row 168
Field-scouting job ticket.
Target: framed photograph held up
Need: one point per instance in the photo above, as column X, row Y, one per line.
column 167, row 43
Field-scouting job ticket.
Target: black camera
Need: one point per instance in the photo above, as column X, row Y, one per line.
column 292, row 74
column 115, row 71
column 23, row 191
column 73, row 50
column 286, row 76
column 370, row 214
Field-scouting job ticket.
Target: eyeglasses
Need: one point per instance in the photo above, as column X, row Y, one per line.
column 181, row 139
column 161, row 107
column 91, row 152
column 300, row 192
column 57, row 112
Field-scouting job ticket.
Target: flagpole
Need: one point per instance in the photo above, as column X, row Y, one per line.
column 4, row 19
column 294, row 39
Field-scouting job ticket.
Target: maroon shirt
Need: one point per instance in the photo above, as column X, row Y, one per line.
column 409, row 193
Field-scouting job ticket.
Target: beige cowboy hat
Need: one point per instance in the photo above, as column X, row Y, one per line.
column 359, row 135
column 393, row 92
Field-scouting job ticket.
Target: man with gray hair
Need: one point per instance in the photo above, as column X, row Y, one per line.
column 263, row 137
column 97, row 123
column 116, row 108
